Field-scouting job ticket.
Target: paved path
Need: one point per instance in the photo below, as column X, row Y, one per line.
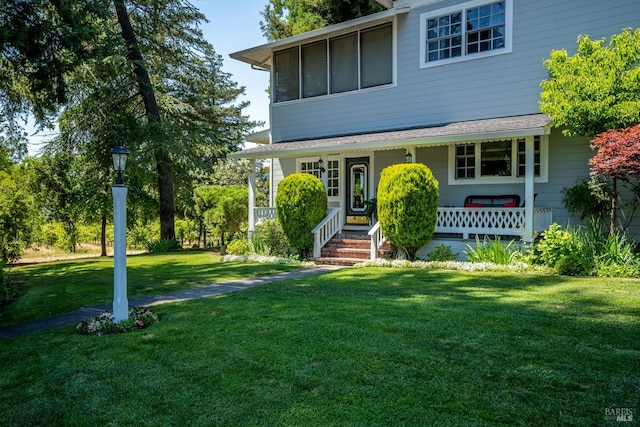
column 75, row 317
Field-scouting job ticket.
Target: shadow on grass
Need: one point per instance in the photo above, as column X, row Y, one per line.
column 355, row 347
column 53, row 288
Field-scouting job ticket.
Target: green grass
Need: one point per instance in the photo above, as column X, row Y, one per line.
column 64, row 286
column 374, row 347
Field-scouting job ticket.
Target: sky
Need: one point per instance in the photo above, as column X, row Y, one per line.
column 234, row 25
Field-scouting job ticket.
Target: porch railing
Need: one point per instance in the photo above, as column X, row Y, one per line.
column 323, row 232
column 377, row 239
column 503, row 221
column 465, row 221
column 262, row 213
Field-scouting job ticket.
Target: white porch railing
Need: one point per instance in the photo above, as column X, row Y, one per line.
column 465, row 221
column 503, row 221
column 323, row 232
column 262, row 213
column 377, row 239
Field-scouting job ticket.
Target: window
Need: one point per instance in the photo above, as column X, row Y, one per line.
column 287, row 77
column 332, row 173
column 314, row 69
column 310, row 167
column 354, row 61
column 536, row 156
column 495, row 158
column 477, row 29
column 500, row 161
column 375, row 56
column 333, row 177
column 344, row 63
column 465, row 161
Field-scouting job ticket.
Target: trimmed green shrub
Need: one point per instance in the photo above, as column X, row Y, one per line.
column 572, row 265
column 269, row 237
column 301, row 204
column 239, row 247
column 407, row 206
column 442, row 253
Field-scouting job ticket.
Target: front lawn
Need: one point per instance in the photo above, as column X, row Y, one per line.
column 353, row 347
column 64, row 286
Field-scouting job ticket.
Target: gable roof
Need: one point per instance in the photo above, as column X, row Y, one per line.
column 260, row 56
column 446, row 133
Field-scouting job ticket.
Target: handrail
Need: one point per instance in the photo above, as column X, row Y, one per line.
column 377, row 239
column 325, row 230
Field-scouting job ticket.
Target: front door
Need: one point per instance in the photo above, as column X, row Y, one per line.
column 357, row 190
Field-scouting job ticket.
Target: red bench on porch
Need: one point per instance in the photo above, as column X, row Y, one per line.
column 484, row 201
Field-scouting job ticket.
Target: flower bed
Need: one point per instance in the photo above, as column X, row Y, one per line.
column 139, row 318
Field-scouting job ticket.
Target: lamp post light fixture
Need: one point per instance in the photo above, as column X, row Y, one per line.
column 321, row 165
column 119, row 190
column 119, row 156
column 409, row 157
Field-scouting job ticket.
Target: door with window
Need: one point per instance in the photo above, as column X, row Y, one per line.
column 357, row 191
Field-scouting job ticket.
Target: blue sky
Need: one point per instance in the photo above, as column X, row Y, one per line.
column 233, row 25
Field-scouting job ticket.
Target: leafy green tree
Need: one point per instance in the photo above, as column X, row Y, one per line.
column 285, row 18
column 597, row 88
column 301, row 203
column 17, row 212
column 143, row 76
column 407, row 206
column 595, row 91
column 222, row 209
column 41, row 41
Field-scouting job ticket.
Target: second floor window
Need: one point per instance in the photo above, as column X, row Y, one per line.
column 477, row 29
column 354, row 61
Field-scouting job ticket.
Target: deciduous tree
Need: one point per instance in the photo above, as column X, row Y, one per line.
column 617, row 157
column 595, row 89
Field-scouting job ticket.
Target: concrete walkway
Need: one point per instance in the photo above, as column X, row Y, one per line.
column 66, row 319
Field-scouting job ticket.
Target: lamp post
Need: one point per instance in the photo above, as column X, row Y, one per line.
column 119, row 190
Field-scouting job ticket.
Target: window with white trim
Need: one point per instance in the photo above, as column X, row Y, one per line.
column 358, row 60
column 332, row 171
column 475, row 29
column 333, row 178
column 496, row 161
column 310, row 167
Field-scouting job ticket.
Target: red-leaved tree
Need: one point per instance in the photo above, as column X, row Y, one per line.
column 617, row 157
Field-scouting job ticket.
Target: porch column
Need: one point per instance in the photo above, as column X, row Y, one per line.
column 529, row 158
column 412, row 151
column 252, row 194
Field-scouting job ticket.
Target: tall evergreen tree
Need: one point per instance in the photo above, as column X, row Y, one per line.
column 285, row 18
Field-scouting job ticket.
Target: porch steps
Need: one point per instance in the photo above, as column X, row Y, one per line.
column 348, row 249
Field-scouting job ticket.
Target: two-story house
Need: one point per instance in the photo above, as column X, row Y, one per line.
column 448, row 83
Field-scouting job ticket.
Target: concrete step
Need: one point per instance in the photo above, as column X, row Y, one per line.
column 337, row 261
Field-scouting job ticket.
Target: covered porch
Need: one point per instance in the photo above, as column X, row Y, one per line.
column 349, row 166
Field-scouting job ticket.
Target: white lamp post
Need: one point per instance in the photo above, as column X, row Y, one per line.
column 119, row 191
